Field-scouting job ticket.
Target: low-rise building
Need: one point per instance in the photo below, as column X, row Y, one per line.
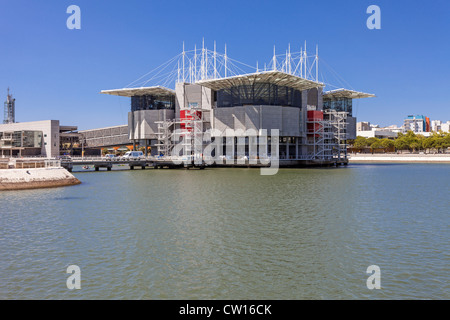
column 363, row 126
column 438, row 125
column 37, row 138
column 445, row 127
column 41, row 139
column 416, row 124
column 377, row 133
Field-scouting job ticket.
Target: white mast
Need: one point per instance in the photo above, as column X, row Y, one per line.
column 203, row 60
column 306, row 61
column 206, row 63
column 317, row 63
column 289, row 59
column 195, row 63
column 184, row 53
column 190, row 71
column 301, row 62
column 225, row 60
column 274, row 60
column 215, row 69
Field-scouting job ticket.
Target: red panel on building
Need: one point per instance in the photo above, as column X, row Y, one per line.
column 314, row 115
column 188, row 115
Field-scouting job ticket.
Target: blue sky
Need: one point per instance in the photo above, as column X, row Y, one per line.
column 57, row 73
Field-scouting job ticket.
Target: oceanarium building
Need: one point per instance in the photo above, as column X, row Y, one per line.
column 213, row 95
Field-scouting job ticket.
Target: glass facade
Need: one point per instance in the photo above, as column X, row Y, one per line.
column 259, row 94
column 32, row 139
column 341, row 104
column 21, row 139
column 152, row 103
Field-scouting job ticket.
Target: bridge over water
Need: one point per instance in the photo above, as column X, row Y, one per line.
column 102, row 162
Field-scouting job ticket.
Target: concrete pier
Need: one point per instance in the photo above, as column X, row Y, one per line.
column 35, row 178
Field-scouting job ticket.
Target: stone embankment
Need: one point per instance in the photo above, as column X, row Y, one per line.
column 29, row 176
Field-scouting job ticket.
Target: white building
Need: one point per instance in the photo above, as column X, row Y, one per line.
column 436, row 125
column 417, row 124
column 363, row 126
column 367, row 130
column 377, row 133
column 445, row 127
column 36, row 138
column 313, row 124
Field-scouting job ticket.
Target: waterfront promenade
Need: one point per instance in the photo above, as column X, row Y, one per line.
column 399, row 158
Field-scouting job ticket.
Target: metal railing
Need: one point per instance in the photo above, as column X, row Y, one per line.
column 101, row 159
column 14, row 163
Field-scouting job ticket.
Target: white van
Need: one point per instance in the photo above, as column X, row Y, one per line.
column 133, row 155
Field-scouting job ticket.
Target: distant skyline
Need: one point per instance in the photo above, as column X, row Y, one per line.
column 57, row 73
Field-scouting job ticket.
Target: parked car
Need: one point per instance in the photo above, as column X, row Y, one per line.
column 133, row 155
column 64, row 157
column 110, row 157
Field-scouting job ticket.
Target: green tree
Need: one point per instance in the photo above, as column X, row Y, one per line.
column 378, row 144
column 428, row 143
column 360, row 143
column 401, row 144
column 414, row 145
column 387, row 144
column 411, row 140
column 440, row 143
column 372, row 140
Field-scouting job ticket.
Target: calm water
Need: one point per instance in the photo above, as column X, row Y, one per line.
column 232, row 234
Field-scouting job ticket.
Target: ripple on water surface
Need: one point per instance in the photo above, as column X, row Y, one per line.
column 231, row 234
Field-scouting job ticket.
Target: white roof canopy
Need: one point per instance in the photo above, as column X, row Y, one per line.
column 275, row 77
column 345, row 93
column 131, row 92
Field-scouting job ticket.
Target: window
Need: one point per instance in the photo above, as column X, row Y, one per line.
column 341, row 104
column 152, row 103
column 259, row 94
